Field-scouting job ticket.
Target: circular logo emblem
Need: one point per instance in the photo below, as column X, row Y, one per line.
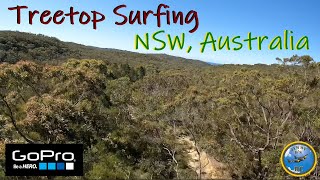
column 298, row 159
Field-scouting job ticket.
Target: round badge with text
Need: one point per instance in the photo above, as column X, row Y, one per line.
column 298, row 159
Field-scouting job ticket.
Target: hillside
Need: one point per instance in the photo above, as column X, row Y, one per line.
column 25, row 46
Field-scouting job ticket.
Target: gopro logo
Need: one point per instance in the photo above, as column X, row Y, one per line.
column 44, row 160
column 34, row 156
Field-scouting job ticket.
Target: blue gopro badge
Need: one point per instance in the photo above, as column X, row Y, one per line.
column 44, row 160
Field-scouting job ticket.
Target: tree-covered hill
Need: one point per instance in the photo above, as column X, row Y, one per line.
column 15, row 46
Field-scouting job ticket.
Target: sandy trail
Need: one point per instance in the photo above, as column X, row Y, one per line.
column 210, row 167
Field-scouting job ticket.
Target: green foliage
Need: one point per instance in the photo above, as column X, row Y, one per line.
column 82, row 102
column 17, row 46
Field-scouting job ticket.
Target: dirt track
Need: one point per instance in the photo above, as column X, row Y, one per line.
column 209, row 167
